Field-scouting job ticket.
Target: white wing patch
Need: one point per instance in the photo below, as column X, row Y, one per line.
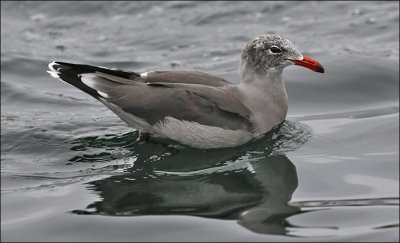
column 104, row 95
column 90, row 80
column 144, row 75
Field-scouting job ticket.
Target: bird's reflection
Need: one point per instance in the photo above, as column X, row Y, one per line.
column 252, row 183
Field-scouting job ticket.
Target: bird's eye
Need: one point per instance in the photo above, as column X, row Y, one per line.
column 275, row 49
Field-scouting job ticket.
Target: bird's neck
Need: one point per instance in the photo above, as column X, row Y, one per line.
column 250, row 76
column 265, row 94
column 269, row 84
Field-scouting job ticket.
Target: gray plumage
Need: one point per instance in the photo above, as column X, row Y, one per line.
column 195, row 108
column 207, row 105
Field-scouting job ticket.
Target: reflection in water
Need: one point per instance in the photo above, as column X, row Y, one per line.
column 252, row 183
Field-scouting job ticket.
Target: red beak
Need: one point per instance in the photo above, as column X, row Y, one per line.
column 309, row 63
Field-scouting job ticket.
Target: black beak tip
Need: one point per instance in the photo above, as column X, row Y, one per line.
column 320, row 69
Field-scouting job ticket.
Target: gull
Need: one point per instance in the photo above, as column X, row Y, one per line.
column 195, row 108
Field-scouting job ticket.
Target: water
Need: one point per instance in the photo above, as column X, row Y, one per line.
column 72, row 171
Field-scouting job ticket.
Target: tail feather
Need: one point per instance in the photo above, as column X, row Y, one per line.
column 83, row 76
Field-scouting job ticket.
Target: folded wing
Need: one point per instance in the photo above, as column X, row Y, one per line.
column 153, row 98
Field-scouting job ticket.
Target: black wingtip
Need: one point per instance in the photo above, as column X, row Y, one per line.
column 70, row 73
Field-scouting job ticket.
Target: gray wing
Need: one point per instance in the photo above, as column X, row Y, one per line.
column 188, row 77
column 206, row 105
column 183, row 95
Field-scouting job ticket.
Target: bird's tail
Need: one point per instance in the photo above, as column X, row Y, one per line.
column 90, row 79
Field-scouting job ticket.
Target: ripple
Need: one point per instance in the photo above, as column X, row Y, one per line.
column 55, row 138
column 229, row 183
column 356, row 114
column 391, row 201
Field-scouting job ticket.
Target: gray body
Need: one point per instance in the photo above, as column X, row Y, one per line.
column 194, row 108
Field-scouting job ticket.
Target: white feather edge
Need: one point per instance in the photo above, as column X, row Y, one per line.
column 144, row 75
column 88, row 79
column 53, row 72
column 104, row 95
